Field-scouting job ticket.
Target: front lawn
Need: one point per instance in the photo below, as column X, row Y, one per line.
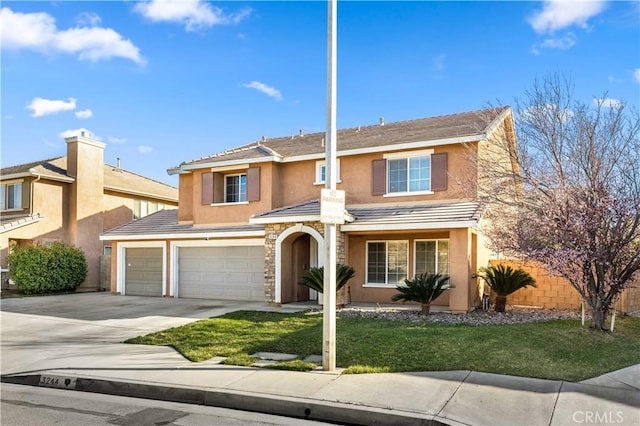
column 559, row 349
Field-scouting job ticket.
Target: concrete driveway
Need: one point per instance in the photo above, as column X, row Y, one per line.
column 87, row 329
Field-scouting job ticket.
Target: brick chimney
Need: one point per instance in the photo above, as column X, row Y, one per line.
column 85, row 163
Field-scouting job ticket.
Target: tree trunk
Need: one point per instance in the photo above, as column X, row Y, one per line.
column 426, row 308
column 598, row 318
column 501, row 303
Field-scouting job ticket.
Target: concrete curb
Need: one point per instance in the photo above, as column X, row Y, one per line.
column 324, row 411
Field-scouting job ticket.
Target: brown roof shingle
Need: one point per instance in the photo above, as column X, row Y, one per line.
column 425, row 129
column 115, row 179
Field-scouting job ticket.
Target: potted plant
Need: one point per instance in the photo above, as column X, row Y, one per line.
column 504, row 280
column 424, row 288
column 314, row 279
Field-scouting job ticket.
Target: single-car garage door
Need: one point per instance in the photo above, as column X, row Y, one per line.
column 143, row 273
column 226, row 273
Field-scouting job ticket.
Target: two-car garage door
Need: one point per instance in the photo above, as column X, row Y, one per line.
column 218, row 272
column 226, row 273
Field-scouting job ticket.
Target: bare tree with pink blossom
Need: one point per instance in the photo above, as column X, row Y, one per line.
column 568, row 195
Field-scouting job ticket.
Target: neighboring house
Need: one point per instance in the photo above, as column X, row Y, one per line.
column 248, row 223
column 73, row 199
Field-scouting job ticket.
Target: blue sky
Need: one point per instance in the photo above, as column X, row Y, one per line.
column 161, row 82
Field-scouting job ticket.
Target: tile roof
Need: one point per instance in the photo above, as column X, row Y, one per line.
column 19, row 222
column 463, row 213
column 467, row 124
column 114, row 178
column 164, row 224
column 459, row 212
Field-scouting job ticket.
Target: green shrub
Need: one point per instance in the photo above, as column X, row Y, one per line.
column 504, row 280
column 314, row 278
column 424, row 288
column 39, row 269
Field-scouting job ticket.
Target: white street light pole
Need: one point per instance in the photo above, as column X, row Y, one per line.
column 330, row 232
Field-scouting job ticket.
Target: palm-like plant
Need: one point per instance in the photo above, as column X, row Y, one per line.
column 314, row 278
column 424, row 288
column 504, row 280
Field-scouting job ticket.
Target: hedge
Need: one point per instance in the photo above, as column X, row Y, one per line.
column 40, row 269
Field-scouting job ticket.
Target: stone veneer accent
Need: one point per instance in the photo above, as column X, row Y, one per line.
column 272, row 232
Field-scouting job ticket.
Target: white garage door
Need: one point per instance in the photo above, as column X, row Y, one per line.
column 226, row 273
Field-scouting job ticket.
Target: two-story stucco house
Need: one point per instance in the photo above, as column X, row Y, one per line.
column 73, row 199
column 248, row 223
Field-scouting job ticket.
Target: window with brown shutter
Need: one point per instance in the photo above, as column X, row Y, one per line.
column 439, row 172
column 379, row 177
column 207, row 188
column 253, row 184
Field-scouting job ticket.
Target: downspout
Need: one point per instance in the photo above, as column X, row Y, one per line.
column 33, row 187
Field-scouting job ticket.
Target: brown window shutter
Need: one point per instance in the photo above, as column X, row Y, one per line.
column 207, row 188
column 253, row 184
column 379, row 177
column 439, row 172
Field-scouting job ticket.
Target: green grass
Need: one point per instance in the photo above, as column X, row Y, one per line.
column 560, row 349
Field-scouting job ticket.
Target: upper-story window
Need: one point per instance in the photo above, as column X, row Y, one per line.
column 321, row 172
column 230, row 186
column 235, row 188
column 409, row 173
column 11, row 196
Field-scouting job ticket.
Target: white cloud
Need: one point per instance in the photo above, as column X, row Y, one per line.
column 144, row 149
column 267, row 90
column 636, row 75
column 193, row 14
column 439, row 62
column 563, row 43
column 76, row 132
column 41, row 106
column 607, row 102
column 38, row 31
column 87, row 113
column 113, row 139
column 559, row 14
column 88, row 19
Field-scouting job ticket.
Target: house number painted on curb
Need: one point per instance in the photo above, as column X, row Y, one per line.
column 58, row 382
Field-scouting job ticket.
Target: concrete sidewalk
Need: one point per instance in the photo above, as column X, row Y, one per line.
column 451, row 398
column 73, row 342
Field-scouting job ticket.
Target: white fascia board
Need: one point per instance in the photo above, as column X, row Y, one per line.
column 17, row 176
column 218, row 243
column 240, row 234
column 215, row 164
column 20, row 225
column 286, row 219
column 58, row 178
column 142, row 193
column 407, row 226
column 387, row 148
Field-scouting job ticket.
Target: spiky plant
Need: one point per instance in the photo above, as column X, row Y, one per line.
column 424, row 288
column 504, row 280
column 314, row 277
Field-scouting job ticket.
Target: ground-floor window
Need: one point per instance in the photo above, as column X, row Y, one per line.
column 432, row 257
column 387, row 262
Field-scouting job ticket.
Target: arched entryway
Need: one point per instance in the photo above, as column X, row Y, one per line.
column 298, row 248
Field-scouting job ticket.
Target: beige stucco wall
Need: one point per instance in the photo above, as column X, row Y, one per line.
column 460, row 245
column 52, row 225
column 285, row 184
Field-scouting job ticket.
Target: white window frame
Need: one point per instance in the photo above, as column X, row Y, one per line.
column 320, row 165
column 386, row 273
column 407, row 155
column 437, row 240
column 4, row 193
column 224, row 182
